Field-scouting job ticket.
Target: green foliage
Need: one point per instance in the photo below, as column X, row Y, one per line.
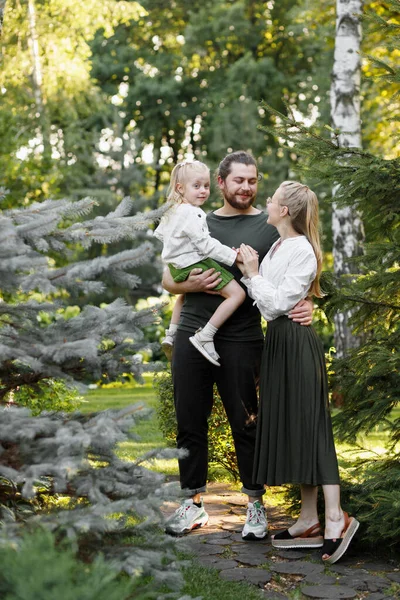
column 39, row 568
column 48, row 394
column 366, row 382
column 206, row 583
column 221, row 449
column 62, row 472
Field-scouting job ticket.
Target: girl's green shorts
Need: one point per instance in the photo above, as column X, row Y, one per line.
column 179, row 275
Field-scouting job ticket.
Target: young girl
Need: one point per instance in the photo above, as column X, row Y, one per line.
column 188, row 245
column 294, row 431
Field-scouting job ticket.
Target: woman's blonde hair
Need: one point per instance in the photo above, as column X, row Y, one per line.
column 302, row 204
column 179, row 175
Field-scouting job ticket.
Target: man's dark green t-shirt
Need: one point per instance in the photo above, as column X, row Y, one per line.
column 244, row 324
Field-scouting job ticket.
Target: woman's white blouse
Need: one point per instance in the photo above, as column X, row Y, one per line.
column 285, row 277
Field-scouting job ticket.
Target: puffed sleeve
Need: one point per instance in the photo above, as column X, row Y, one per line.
column 274, row 301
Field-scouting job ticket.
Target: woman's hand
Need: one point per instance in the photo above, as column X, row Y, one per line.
column 249, row 264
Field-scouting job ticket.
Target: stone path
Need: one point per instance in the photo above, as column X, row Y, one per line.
column 278, row 573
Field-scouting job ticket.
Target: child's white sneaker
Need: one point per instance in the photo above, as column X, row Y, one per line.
column 167, row 344
column 206, row 347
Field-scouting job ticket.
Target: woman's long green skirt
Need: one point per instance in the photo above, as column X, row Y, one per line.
column 294, row 430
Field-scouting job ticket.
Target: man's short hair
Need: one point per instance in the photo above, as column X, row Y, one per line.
column 242, row 157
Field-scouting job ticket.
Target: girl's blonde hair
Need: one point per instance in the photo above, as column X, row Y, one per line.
column 180, row 174
column 302, row 204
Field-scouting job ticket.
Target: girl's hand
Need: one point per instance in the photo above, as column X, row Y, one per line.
column 249, row 256
column 238, row 258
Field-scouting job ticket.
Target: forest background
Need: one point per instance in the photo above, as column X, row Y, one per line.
column 100, row 101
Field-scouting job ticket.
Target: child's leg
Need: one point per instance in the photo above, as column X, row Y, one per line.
column 168, row 342
column 234, row 296
column 176, row 312
column 203, row 339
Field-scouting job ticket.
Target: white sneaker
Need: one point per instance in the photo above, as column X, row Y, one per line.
column 256, row 526
column 167, row 344
column 206, row 348
column 187, row 517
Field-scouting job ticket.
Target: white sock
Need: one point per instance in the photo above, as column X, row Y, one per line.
column 208, row 332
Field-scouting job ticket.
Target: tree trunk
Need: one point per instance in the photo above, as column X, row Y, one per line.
column 347, row 227
column 2, row 9
column 37, row 79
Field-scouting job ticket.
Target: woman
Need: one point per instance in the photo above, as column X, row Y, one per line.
column 294, row 436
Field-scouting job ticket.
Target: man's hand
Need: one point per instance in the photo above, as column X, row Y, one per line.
column 302, row 313
column 198, row 281
column 203, row 281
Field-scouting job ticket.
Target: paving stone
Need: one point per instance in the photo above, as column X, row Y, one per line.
column 237, row 537
column 207, row 560
column 320, row 579
column 198, row 539
column 247, row 559
column 238, row 511
column 219, row 563
column 233, row 498
column 328, row 591
column 365, row 582
column 228, row 519
column 376, row 566
column 194, row 550
column 342, row 570
column 232, row 574
column 394, row 577
column 297, row 568
column 217, row 541
column 352, row 578
column 204, row 531
column 257, row 576
column 290, row 554
column 347, row 561
column 190, row 542
column 221, row 534
column 354, row 581
column 314, row 554
column 235, row 527
column 255, row 550
column 208, row 550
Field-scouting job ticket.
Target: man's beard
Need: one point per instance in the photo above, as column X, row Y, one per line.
column 239, row 203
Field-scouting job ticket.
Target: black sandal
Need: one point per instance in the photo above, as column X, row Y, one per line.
column 311, row 538
column 335, row 548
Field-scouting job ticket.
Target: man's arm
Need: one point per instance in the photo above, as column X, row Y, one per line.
column 303, row 311
column 198, row 281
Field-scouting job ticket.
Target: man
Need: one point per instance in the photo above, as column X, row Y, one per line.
column 239, row 344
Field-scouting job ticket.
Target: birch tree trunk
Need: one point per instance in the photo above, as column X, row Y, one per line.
column 347, row 227
column 2, row 9
column 37, row 79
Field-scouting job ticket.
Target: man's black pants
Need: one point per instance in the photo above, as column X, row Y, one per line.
column 194, row 377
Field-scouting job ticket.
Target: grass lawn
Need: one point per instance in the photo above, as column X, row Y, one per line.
column 150, row 437
column 148, row 434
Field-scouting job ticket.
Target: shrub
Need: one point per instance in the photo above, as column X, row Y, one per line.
column 38, row 568
column 47, row 394
column 62, row 472
column 221, row 448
